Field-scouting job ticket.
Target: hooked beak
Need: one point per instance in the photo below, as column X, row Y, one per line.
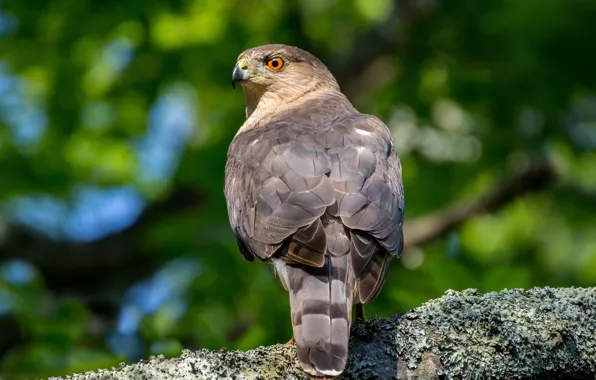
column 239, row 74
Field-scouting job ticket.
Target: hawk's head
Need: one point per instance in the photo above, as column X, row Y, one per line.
column 280, row 74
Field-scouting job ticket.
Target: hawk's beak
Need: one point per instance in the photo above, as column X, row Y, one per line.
column 239, row 74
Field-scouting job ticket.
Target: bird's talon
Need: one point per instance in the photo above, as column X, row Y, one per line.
column 360, row 316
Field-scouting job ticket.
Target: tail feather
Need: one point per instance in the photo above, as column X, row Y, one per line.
column 321, row 303
column 373, row 278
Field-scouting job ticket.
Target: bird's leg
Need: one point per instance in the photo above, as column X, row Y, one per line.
column 360, row 317
column 291, row 341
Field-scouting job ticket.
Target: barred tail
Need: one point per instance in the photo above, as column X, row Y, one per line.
column 321, row 303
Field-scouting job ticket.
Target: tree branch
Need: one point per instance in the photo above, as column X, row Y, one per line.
column 541, row 333
column 429, row 227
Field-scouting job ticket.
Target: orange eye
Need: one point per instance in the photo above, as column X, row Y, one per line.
column 275, row 63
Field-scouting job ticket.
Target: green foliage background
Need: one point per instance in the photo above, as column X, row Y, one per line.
column 473, row 91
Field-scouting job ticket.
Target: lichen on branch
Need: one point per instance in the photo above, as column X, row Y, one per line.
column 540, row 333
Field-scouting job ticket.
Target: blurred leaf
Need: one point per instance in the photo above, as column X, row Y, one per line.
column 444, row 274
column 168, row 348
column 506, row 277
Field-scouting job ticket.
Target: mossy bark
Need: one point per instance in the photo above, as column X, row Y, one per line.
column 542, row 333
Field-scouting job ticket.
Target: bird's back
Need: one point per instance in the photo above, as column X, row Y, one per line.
column 318, row 194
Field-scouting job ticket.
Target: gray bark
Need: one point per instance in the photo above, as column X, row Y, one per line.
column 542, row 333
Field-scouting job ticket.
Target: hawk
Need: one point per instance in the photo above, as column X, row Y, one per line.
column 313, row 187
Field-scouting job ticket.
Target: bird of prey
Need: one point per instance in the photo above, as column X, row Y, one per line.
column 313, row 187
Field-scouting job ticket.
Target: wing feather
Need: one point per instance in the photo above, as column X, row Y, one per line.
column 366, row 175
column 282, row 179
column 288, row 189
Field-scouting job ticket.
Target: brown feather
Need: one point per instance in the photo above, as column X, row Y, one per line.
column 321, row 301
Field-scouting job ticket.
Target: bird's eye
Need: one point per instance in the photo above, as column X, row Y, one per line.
column 275, row 63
